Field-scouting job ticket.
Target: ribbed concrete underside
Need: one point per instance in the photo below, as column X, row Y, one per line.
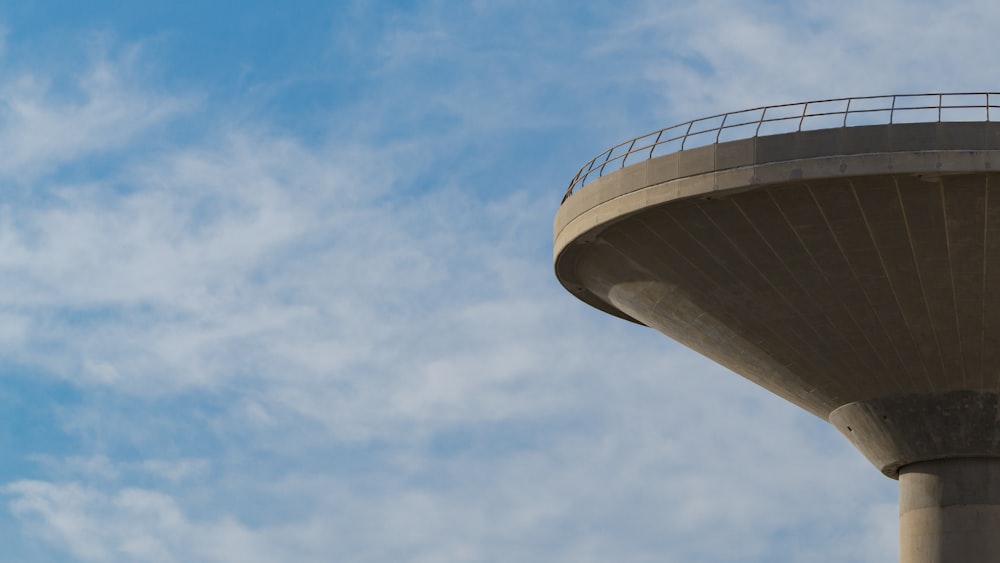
column 865, row 288
column 855, row 272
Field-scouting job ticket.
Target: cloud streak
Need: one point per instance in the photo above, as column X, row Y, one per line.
column 351, row 346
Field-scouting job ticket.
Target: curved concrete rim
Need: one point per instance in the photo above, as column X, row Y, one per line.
column 922, row 149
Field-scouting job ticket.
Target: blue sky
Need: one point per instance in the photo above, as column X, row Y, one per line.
column 277, row 282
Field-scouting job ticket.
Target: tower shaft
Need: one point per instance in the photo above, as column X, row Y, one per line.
column 949, row 511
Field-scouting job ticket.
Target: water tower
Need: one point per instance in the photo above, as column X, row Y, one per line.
column 843, row 254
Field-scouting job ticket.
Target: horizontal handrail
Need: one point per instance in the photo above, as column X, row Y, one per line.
column 790, row 118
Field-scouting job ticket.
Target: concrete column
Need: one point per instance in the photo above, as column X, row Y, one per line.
column 949, row 511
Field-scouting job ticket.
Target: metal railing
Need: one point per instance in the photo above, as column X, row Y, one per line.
column 790, row 118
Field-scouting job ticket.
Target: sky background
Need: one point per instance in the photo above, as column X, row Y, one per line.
column 277, row 282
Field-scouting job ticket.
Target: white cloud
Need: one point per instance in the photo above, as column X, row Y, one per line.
column 710, row 57
column 42, row 126
column 389, row 370
column 640, row 483
column 131, row 525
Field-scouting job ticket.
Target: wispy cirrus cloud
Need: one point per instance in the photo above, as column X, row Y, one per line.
column 727, row 56
column 44, row 124
column 351, row 345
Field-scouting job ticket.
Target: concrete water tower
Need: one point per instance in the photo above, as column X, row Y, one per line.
column 843, row 254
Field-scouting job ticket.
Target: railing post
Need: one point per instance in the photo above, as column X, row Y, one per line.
column 607, row 157
column 628, row 152
column 686, row 133
column 721, row 127
column 655, row 143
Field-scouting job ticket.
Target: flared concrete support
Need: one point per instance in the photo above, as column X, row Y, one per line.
column 949, row 511
column 905, row 429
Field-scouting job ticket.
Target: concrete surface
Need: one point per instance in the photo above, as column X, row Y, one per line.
column 853, row 271
column 832, row 278
column 949, row 511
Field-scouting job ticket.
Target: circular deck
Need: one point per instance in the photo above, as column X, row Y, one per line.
column 854, row 271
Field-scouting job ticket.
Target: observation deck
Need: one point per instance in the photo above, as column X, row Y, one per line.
column 843, row 254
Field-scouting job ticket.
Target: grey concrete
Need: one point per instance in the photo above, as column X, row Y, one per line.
column 949, row 511
column 900, row 430
column 829, row 280
column 854, row 272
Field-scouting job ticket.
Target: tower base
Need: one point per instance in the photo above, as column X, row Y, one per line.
column 949, row 511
